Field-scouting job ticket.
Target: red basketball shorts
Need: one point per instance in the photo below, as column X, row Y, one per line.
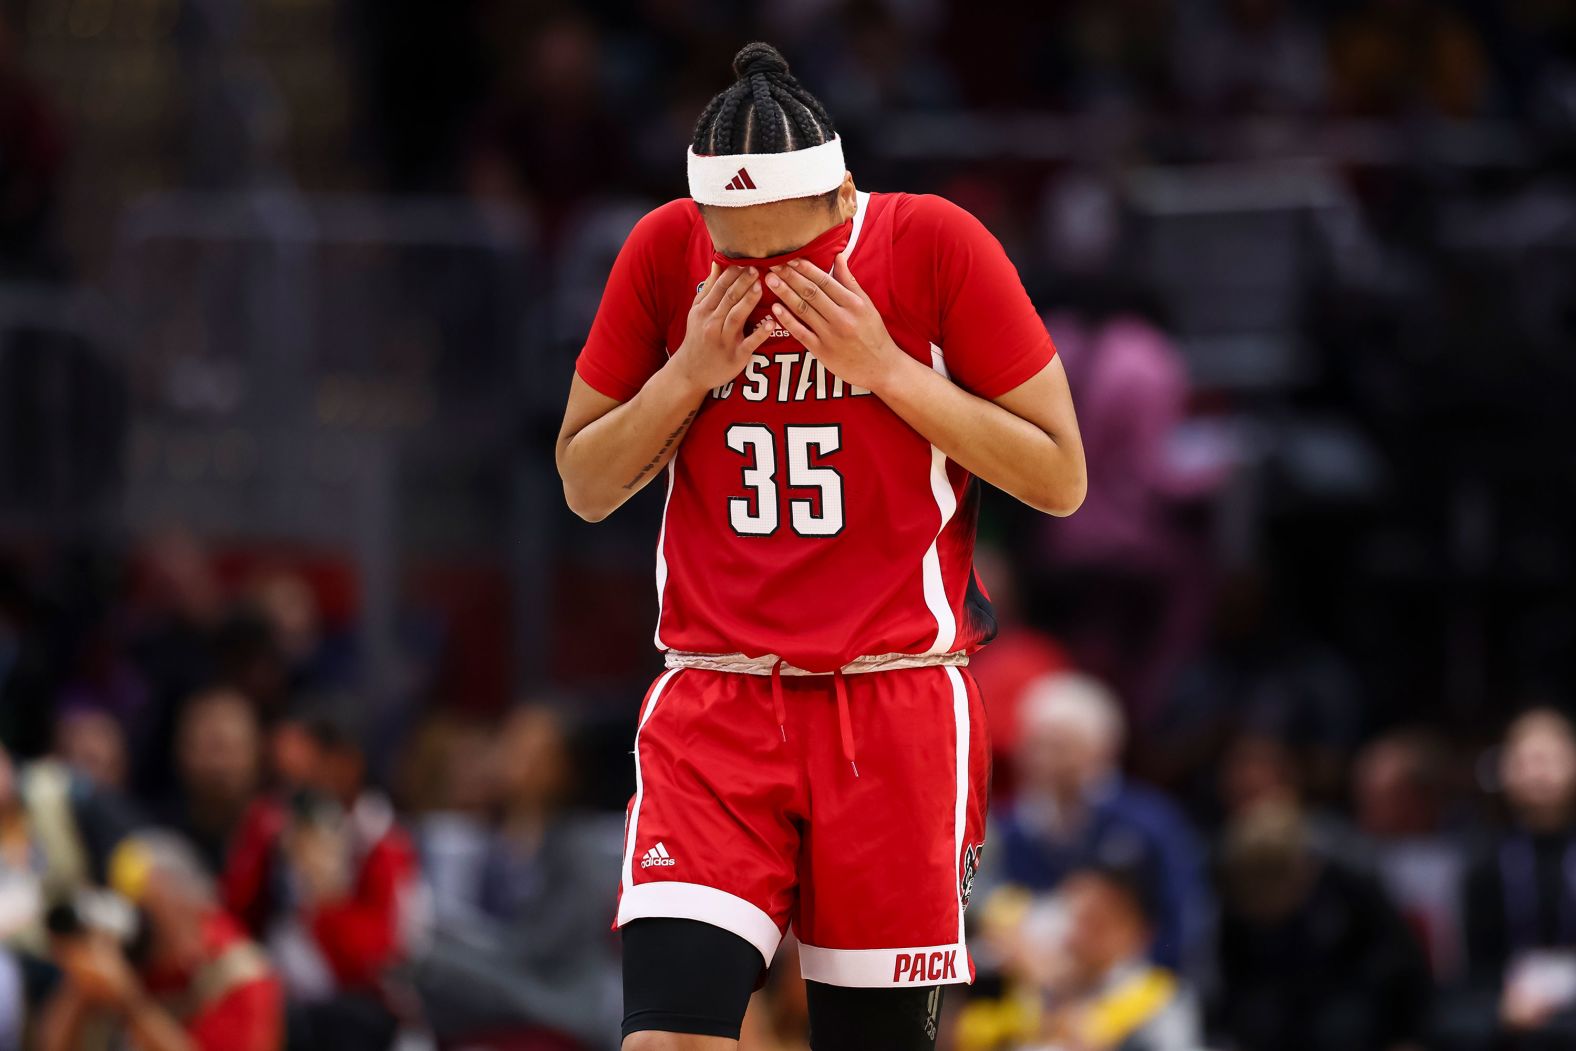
column 857, row 819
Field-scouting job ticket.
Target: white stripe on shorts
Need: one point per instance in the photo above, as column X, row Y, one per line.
column 640, row 788
column 960, row 813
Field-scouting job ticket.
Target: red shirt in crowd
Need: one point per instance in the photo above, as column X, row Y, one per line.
column 358, row 935
column 233, row 1001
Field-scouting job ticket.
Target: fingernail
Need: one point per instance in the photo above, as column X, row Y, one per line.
column 794, row 263
column 773, row 280
column 777, row 308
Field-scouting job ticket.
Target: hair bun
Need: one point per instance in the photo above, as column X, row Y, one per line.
column 759, row 57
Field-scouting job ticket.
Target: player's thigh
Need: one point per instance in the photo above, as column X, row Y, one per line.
column 712, row 831
column 687, row 985
column 891, row 851
column 845, row 1019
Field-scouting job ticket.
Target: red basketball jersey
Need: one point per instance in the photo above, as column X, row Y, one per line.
column 805, row 519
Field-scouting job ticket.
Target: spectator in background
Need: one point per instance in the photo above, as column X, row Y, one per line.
column 176, row 610
column 327, row 879
column 57, row 832
column 248, row 657
column 1087, row 974
column 92, row 743
column 191, row 981
column 1139, row 573
column 1018, row 656
column 1113, row 998
column 1312, row 956
column 1400, row 790
column 218, row 762
column 104, row 695
column 315, row 658
column 449, row 788
column 523, row 946
column 1521, row 894
column 1073, row 805
column 1261, row 770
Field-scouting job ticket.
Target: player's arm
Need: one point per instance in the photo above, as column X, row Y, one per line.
column 1024, row 441
column 609, row 450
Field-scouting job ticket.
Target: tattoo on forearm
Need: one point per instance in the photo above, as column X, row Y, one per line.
column 672, row 439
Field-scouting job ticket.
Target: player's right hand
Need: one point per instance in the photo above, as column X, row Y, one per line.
column 715, row 347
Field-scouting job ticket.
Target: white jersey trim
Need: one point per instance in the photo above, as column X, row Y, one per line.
column 960, row 813
column 947, row 505
column 633, row 825
column 861, row 207
column 662, row 557
column 884, row 968
column 666, row 899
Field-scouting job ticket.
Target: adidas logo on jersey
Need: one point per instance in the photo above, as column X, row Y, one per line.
column 657, row 856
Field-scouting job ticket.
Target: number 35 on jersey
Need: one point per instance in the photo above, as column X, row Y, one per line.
column 805, row 447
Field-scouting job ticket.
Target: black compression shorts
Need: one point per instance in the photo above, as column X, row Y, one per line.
column 684, row 976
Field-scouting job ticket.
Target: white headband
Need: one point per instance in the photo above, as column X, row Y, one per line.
column 739, row 179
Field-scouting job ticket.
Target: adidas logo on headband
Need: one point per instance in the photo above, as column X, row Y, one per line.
column 726, row 180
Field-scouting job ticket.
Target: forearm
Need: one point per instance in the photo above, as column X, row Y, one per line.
column 60, row 1022
column 152, row 1028
column 613, row 457
column 989, row 441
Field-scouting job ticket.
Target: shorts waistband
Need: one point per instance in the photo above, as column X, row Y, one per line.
column 739, row 664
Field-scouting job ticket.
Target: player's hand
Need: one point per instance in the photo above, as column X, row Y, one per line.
column 98, row 970
column 320, row 860
column 1523, row 1009
column 715, row 347
column 835, row 320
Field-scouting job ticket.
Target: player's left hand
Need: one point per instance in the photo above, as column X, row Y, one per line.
column 835, row 320
column 98, row 970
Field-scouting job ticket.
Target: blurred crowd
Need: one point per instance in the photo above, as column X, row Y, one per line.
column 251, row 884
column 196, row 843
column 1281, row 716
column 284, row 873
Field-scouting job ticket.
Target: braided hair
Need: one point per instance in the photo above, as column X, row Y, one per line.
column 765, row 110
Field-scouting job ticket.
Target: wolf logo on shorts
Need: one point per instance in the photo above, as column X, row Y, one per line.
column 971, row 866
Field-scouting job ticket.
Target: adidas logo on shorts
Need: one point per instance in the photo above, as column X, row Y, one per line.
column 657, row 856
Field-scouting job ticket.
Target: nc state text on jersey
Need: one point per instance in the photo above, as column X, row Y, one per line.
column 789, row 376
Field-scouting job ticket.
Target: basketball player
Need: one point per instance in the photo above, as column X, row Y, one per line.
column 821, row 373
